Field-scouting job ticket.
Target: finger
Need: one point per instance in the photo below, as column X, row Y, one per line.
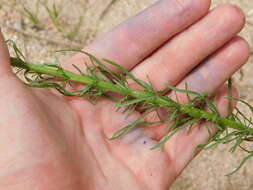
column 135, row 39
column 207, row 78
column 5, row 68
column 209, row 75
column 182, row 147
column 213, row 72
column 180, row 55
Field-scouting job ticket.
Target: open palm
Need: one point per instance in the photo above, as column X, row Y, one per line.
column 52, row 142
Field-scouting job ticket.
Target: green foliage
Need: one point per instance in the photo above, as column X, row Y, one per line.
column 32, row 17
column 74, row 32
column 54, row 13
column 98, row 80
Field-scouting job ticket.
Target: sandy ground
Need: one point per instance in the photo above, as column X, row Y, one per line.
column 208, row 169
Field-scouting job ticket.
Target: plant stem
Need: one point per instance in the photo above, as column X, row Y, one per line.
column 160, row 100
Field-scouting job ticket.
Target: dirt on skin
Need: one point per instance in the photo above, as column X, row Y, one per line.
column 99, row 16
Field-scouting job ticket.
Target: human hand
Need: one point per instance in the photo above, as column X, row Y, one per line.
column 52, row 142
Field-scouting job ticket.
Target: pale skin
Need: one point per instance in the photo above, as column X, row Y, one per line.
column 52, row 142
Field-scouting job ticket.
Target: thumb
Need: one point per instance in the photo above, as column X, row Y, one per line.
column 5, row 67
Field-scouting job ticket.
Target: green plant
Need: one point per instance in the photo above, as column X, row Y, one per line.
column 54, row 13
column 98, row 80
column 74, row 32
column 32, row 16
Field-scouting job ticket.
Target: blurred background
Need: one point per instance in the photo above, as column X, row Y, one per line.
column 41, row 27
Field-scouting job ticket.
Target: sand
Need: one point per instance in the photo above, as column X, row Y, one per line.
column 208, row 169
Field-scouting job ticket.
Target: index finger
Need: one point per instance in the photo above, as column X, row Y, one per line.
column 132, row 41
